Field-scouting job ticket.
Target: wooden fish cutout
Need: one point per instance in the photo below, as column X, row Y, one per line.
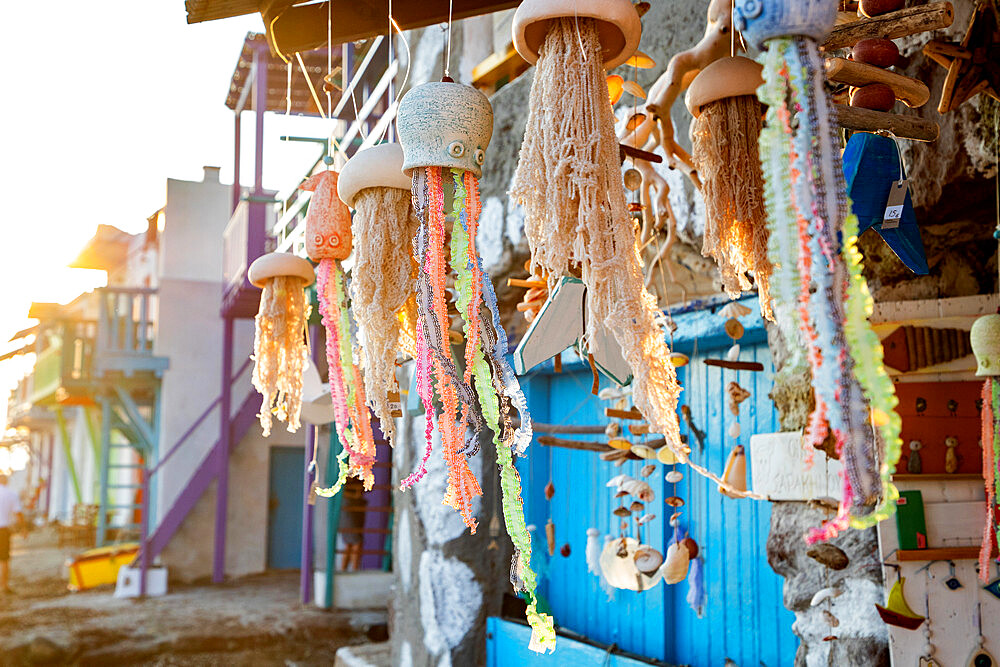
column 910, row 348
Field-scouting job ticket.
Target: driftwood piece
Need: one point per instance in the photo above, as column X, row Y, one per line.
column 550, row 441
column 896, row 24
column 912, row 92
column 614, row 413
column 735, row 365
column 904, row 127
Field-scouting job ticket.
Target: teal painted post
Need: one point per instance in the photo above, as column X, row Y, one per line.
column 332, row 515
column 102, row 514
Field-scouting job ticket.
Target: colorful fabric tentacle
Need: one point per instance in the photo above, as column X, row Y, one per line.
column 991, row 472
column 808, row 215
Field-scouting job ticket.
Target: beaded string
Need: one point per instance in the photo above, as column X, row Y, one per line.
column 991, row 455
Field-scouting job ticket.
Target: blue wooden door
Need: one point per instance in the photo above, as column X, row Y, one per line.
column 284, row 515
column 744, row 619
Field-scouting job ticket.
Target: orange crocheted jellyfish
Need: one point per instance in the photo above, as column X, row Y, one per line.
column 328, row 240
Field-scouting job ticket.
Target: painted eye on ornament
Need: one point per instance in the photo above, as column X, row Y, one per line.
column 318, row 239
column 456, row 149
column 334, row 240
column 479, row 156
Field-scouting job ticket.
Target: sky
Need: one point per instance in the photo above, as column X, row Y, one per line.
column 102, row 103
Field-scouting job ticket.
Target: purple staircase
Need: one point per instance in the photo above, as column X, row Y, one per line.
column 245, row 417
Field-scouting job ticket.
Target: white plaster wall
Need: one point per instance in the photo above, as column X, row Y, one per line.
column 196, row 214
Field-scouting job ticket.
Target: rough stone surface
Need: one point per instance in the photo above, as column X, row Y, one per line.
column 861, row 636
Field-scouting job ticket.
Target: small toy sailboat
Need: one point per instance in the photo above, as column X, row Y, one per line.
column 896, row 611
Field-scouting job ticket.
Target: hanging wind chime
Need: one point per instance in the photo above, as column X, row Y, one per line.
column 569, row 182
column 328, row 241
column 382, row 279
column 444, row 128
column 809, row 221
column 280, row 352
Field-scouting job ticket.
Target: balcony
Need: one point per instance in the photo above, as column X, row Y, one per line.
column 243, row 242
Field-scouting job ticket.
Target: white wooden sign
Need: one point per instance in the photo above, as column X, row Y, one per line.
column 779, row 469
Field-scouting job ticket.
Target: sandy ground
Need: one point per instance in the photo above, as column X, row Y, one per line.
column 252, row 621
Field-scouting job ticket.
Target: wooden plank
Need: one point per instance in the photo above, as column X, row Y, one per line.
column 908, row 21
column 623, row 414
column 912, row 92
column 940, row 553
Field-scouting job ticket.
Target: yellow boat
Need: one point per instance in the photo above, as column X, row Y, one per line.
column 99, row 567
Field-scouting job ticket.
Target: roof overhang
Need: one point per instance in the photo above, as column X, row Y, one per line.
column 299, row 25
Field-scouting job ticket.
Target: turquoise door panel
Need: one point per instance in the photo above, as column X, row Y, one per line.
column 284, row 515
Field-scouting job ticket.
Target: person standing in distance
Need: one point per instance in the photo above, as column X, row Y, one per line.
column 10, row 509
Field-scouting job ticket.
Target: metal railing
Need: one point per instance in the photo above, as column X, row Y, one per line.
column 289, row 230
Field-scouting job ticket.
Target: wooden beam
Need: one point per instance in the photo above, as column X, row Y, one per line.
column 940, row 553
column 900, row 23
column 303, row 27
column 912, row 92
column 904, row 127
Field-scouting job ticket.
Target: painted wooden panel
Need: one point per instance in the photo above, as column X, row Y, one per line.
column 284, row 512
column 744, row 619
column 507, row 644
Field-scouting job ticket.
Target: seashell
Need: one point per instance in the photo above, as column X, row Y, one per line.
column 737, row 395
column 641, row 8
column 550, row 537
column 643, row 451
column 692, row 547
column 636, row 506
column 564, row 550
column 619, row 443
column 639, row 59
column 735, row 474
column 734, row 309
column 615, row 88
column 617, row 481
column 633, row 88
column 613, row 430
column 675, row 518
column 829, row 555
column 647, row 559
column 734, row 430
column 830, row 619
column 632, row 179
column 644, row 519
column 550, row 491
column 734, row 329
column 679, row 359
column 617, row 563
column 634, row 121
column 648, row 469
column 823, row 594
column 621, row 493
column 674, row 476
column 623, row 526
column 733, row 353
column 646, row 495
column 614, row 393
column 675, row 501
column 666, row 455
column 675, row 567
column 622, row 511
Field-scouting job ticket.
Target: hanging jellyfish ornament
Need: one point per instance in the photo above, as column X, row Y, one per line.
column 569, row 182
column 383, row 275
column 985, row 338
column 444, row 128
column 328, row 241
column 724, row 133
column 809, row 220
column 280, row 352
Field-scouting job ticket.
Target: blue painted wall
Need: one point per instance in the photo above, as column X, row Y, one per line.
column 284, row 515
column 744, row 619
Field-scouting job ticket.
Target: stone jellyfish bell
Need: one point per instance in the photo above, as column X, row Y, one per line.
column 444, row 128
column 279, row 349
column 725, row 131
column 382, row 282
column 985, row 338
column 616, row 22
column 445, row 124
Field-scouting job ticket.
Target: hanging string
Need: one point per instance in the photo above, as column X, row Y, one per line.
column 312, row 89
column 329, row 62
column 447, row 62
column 732, row 30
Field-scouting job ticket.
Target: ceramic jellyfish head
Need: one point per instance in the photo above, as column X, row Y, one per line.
column 617, row 23
column 444, row 124
column 985, row 338
column 760, row 21
column 328, row 221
